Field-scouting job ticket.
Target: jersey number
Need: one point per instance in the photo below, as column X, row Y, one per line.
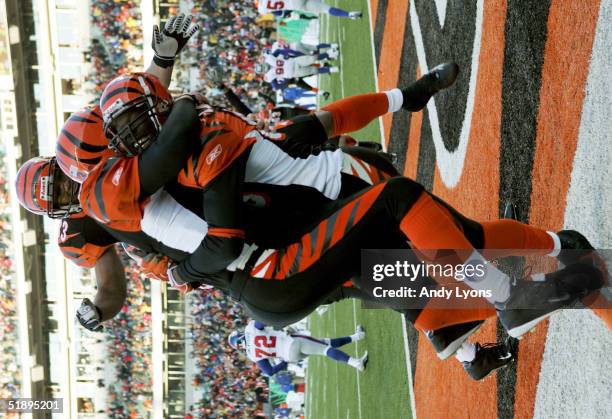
column 63, row 231
column 275, row 5
column 266, row 342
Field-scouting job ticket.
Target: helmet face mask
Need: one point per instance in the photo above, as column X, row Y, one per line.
column 61, row 188
column 135, row 108
column 42, row 188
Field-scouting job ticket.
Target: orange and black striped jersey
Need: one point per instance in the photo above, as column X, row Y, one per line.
column 223, row 138
column 82, row 240
column 112, row 195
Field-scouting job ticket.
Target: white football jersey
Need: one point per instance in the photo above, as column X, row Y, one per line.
column 266, row 344
column 281, row 67
column 269, row 6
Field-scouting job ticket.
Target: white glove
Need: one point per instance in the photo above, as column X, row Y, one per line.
column 169, row 43
column 89, row 316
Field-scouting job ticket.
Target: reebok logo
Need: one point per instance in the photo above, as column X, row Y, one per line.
column 215, row 152
column 117, row 176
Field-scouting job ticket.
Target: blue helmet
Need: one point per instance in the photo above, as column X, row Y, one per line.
column 236, row 339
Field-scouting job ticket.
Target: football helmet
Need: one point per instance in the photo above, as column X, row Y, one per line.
column 134, row 108
column 236, row 339
column 82, row 143
column 42, row 186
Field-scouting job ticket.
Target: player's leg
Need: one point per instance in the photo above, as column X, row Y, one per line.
column 317, row 6
column 355, row 112
column 300, row 72
column 307, row 271
column 313, row 346
column 305, row 60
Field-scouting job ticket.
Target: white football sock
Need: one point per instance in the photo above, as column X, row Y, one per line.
column 396, row 99
column 466, row 353
column 493, row 279
column 557, row 244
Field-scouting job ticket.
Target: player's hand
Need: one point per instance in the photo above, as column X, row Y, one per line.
column 155, row 266
column 89, row 316
column 168, row 43
column 197, row 97
column 176, row 281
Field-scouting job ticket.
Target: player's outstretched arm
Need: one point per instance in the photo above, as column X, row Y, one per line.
column 168, row 44
column 161, row 162
column 112, row 286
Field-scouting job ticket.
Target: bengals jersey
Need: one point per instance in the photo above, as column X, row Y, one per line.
column 82, row 240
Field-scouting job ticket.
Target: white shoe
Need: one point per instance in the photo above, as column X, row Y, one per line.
column 334, row 69
column 362, row 362
column 333, row 54
column 355, row 15
column 321, row 310
column 359, row 333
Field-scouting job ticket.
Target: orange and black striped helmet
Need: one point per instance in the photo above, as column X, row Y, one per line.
column 35, row 188
column 82, row 144
column 134, row 107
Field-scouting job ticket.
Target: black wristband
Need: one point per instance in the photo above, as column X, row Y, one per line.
column 163, row 62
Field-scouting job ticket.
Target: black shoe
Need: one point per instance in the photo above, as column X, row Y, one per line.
column 447, row 340
column 511, row 211
column 418, row 93
column 530, row 302
column 571, row 244
column 325, row 95
column 489, row 357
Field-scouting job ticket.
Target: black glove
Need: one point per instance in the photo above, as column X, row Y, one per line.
column 169, row 43
column 89, row 316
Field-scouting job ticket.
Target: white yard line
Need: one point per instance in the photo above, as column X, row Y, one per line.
column 357, row 347
column 408, row 367
column 375, row 70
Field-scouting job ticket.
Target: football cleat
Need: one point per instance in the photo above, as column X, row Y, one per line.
column 417, row 94
column 571, row 244
column 334, row 69
column 355, row 15
column 362, row 362
column 530, row 302
column 359, row 333
column 448, row 339
column 490, row 357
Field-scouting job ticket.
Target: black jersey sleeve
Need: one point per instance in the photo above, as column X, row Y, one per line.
column 223, row 213
column 163, row 160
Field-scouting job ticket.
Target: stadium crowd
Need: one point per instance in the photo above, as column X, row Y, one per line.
column 117, row 43
column 230, row 41
column 10, row 374
column 128, row 338
column 233, row 387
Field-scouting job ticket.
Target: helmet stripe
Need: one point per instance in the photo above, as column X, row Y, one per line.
column 78, row 118
column 33, row 183
column 62, row 150
column 108, row 96
column 83, row 145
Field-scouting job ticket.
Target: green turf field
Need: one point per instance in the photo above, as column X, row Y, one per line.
column 335, row 390
column 356, row 60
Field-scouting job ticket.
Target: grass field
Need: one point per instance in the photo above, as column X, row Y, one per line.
column 528, row 121
column 333, row 390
